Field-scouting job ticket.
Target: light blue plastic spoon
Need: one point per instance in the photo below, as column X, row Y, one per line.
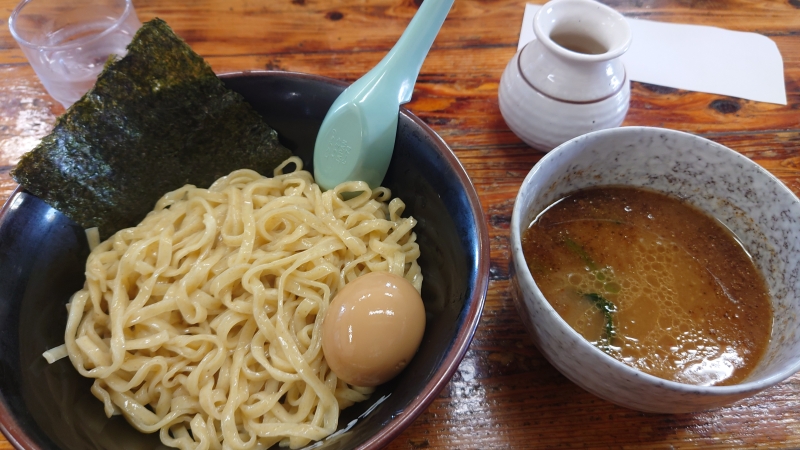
column 356, row 140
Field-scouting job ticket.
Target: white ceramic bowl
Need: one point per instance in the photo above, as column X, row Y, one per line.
column 762, row 212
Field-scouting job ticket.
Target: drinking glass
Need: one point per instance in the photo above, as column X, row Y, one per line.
column 69, row 41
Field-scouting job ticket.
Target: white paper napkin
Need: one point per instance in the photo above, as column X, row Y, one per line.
column 697, row 58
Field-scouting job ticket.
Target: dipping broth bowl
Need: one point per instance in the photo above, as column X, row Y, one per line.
column 43, row 254
column 762, row 212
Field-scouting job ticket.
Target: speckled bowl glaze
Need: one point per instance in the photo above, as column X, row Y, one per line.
column 755, row 205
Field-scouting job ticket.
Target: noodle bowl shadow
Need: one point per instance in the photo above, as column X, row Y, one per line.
column 42, row 258
column 752, row 203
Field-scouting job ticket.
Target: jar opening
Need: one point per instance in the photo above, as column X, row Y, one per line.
column 582, row 30
column 578, row 42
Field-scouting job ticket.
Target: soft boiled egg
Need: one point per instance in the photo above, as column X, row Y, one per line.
column 373, row 328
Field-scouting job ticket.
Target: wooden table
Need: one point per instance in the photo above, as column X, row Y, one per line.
column 504, row 394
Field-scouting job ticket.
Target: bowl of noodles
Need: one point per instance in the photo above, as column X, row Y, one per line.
column 227, row 354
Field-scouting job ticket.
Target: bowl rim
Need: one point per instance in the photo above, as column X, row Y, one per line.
column 463, row 338
column 747, row 387
column 11, row 429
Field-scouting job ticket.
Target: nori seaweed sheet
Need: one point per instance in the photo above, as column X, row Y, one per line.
column 156, row 119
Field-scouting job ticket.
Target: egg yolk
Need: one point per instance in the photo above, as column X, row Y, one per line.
column 373, row 328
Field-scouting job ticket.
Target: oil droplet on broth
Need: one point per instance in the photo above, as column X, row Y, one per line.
column 668, row 304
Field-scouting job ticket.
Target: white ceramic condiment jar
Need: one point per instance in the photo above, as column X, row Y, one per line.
column 569, row 80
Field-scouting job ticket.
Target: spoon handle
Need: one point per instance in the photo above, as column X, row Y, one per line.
column 401, row 66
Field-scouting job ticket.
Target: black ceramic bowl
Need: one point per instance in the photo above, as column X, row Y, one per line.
column 42, row 256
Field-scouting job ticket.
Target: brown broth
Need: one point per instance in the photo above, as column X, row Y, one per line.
column 684, row 300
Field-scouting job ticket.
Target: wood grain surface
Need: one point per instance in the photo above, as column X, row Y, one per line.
column 504, row 394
